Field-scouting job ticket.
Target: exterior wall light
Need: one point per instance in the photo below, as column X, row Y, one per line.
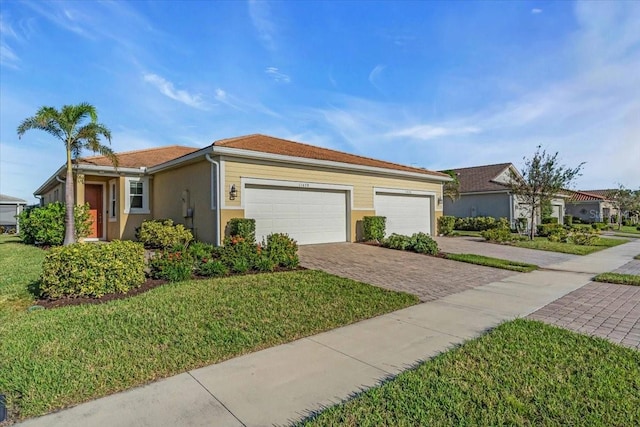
column 233, row 193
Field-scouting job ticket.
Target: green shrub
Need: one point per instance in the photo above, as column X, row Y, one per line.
column 162, row 234
column 478, row 223
column 85, row 269
column 244, row 227
column 544, row 230
column 374, row 228
column 521, row 224
column 45, row 225
column 212, row 268
column 550, row 220
column 559, row 234
column 446, row 225
column 173, row 265
column 281, row 249
column 638, row 228
column 240, row 265
column 265, row 264
column 397, row 241
column 500, row 235
column 423, row 244
column 583, row 237
column 238, row 253
column 568, row 220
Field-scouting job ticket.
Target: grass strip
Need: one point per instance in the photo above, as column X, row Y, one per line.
column 493, row 262
column 50, row 359
column 543, row 244
column 522, row 373
column 618, row 278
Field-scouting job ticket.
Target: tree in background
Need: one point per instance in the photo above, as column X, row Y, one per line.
column 542, row 179
column 451, row 189
column 78, row 128
column 626, row 201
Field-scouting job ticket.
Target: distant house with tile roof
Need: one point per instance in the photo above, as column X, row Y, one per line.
column 484, row 191
column 312, row 193
column 9, row 208
column 591, row 206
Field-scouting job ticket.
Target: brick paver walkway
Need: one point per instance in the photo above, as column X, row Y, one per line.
column 474, row 245
column 427, row 277
column 601, row 309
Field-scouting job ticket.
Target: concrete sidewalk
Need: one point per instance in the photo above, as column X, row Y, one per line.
column 283, row 384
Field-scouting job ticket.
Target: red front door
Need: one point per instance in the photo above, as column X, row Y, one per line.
column 93, row 196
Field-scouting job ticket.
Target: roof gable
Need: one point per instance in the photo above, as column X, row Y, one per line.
column 278, row 146
column 484, row 178
column 11, row 200
column 140, row 158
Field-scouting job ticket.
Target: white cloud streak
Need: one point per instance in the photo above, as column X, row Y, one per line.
column 277, row 75
column 167, row 88
column 536, row 11
column 262, row 20
column 8, row 56
column 375, row 74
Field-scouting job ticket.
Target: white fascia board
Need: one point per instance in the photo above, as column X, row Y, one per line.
column 405, row 191
column 324, row 163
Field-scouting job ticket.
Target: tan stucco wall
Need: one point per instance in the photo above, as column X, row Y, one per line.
column 363, row 185
column 167, row 195
column 129, row 222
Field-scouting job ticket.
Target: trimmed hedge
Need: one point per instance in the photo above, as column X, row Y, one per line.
column 480, row 223
column 87, row 269
column 446, row 225
column 244, row 227
column 374, row 228
column 421, row 243
column 45, row 225
column 162, row 234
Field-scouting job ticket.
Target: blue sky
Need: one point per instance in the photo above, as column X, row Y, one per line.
column 431, row 84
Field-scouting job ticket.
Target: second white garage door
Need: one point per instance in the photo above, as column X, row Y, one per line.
column 406, row 213
column 309, row 216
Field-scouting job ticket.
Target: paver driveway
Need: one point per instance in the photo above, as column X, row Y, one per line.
column 475, row 245
column 427, row 277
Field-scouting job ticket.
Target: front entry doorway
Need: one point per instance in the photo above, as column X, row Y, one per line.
column 93, row 196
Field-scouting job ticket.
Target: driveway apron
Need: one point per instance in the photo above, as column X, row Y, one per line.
column 427, row 277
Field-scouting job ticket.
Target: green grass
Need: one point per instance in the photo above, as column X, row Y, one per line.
column 493, row 262
column 621, row 279
column 522, row 373
column 542, row 243
column 50, row 359
column 20, row 265
column 629, row 229
column 637, row 256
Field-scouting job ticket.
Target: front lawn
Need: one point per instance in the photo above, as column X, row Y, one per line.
column 543, row 244
column 629, row 229
column 20, row 265
column 620, row 279
column 522, row 373
column 50, row 359
column 493, row 262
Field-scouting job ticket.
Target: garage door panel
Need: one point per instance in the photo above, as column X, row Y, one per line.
column 406, row 214
column 309, row 216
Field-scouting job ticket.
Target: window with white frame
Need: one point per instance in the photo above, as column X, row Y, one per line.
column 137, row 195
column 113, row 206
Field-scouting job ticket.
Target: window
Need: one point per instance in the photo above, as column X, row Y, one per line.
column 137, row 195
column 113, row 207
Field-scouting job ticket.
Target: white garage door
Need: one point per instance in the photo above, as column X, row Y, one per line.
column 309, row 216
column 406, row 214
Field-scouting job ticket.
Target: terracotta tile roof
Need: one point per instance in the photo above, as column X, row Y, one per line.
column 134, row 159
column 583, row 196
column 480, row 178
column 602, row 193
column 268, row 144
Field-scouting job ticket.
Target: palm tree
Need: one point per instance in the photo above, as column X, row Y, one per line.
column 69, row 126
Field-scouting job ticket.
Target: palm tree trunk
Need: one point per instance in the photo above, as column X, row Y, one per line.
column 69, row 229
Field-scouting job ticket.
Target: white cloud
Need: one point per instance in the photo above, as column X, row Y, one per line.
column 375, row 74
column 277, row 76
column 166, row 88
column 262, row 20
column 426, row 132
column 536, row 11
column 8, row 56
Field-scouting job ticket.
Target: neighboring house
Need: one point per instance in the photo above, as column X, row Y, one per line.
column 314, row 194
column 9, row 208
column 484, row 191
column 591, row 206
